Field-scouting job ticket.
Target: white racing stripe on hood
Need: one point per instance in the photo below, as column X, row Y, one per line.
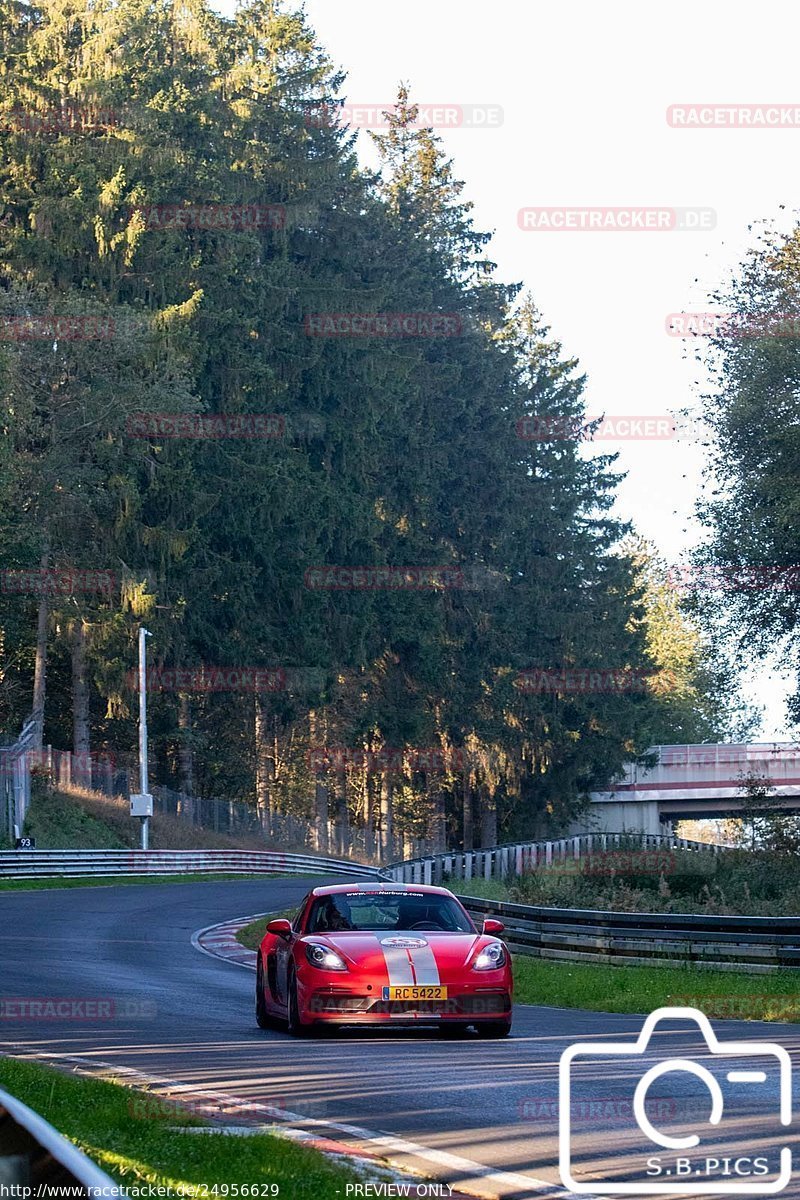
column 406, row 965
column 425, row 967
column 397, row 965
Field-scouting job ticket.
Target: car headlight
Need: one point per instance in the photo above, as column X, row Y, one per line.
column 490, row 957
column 324, row 958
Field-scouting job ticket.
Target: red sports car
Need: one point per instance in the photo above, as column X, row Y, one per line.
column 384, row 954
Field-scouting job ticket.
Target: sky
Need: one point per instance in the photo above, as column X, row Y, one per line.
column 584, row 87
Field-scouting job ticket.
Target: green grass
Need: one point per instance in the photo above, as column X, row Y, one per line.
column 251, row 935
column 37, row 885
column 136, row 1147
column 59, row 822
column 738, row 995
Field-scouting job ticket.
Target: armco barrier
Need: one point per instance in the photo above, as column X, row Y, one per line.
column 35, row 1158
column 33, row 864
column 754, row 944
column 502, row 862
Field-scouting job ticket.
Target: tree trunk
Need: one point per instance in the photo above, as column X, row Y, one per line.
column 387, row 830
column 371, row 807
column 40, row 668
column 341, row 817
column 438, row 826
column 320, row 816
column 185, row 751
column 469, row 835
column 489, row 822
column 81, row 737
column 265, row 767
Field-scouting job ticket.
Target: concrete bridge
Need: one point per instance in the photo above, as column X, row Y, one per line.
column 691, row 782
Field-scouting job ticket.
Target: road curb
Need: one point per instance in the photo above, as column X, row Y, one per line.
column 219, row 941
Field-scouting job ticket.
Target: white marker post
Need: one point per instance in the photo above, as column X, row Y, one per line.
column 142, row 801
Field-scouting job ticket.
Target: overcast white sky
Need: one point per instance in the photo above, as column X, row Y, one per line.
column 584, row 86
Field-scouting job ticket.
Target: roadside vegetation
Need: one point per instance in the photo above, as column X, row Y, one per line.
column 761, row 883
column 84, row 820
column 139, row 1140
column 722, row 994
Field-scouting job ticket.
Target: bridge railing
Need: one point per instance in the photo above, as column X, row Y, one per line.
column 519, row 858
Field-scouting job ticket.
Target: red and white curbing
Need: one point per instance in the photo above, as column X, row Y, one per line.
column 220, row 941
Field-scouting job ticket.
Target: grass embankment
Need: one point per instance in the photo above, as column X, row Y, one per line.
column 81, row 820
column 134, row 1141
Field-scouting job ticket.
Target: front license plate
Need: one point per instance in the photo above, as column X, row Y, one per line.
column 415, row 992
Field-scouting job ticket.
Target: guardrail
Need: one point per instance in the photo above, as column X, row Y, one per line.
column 501, row 862
column 754, row 944
column 35, row 1157
column 41, row 864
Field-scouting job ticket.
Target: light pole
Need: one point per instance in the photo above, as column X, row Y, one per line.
column 142, row 802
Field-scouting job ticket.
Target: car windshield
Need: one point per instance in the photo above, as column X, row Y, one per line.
column 367, row 911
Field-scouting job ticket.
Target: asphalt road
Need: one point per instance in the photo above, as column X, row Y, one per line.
column 169, row 1011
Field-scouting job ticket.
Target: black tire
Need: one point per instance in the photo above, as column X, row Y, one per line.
column 263, row 1019
column 493, row 1029
column 294, row 1025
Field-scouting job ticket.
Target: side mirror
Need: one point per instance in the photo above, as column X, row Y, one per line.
column 280, row 927
column 492, row 926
